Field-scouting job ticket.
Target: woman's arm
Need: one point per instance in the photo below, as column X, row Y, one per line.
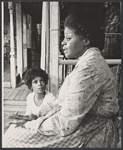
column 35, row 124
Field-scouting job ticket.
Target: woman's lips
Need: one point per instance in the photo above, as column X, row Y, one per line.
column 65, row 51
column 40, row 89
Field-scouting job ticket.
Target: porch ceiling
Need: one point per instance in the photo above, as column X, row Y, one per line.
column 34, row 9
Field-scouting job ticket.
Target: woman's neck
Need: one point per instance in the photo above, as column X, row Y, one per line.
column 39, row 97
column 82, row 52
column 86, row 48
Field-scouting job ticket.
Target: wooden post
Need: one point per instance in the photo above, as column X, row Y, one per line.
column 29, row 40
column 2, row 67
column 45, row 43
column 29, row 31
column 47, row 37
column 61, row 71
column 24, row 42
column 54, row 46
column 19, row 38
column 12, row 47
column 44, row 34
column 3, row 36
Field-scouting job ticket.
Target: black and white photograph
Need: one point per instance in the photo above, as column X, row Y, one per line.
column 61, row 74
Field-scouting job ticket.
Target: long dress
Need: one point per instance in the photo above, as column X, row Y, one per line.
column 87, row 115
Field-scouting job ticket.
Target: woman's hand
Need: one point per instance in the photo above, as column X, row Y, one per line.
column 34, row 124
column 17, row 122
column 33, row 117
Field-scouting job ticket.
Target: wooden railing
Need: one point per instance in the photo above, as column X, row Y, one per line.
column 73, row 62
column 66, row 66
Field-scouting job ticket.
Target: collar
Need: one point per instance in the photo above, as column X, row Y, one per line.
column 89, row 52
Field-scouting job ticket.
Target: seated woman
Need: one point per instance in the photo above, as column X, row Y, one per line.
column 39, row 102
column 87, row 97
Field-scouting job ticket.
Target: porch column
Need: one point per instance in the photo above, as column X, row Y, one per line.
column 47, row 68
column 12, row 47
column 2, row 66
column 19, row 38
column 45, row 43
column 29, row 40
column 3, row 33
column 54, row 46
column 44, row 35
column 24, row 42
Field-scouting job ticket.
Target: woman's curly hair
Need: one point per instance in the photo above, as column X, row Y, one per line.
column 32, row 73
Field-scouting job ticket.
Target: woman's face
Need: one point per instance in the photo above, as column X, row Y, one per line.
column 38, row 85
column 73, row 45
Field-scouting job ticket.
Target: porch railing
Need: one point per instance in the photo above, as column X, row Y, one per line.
column 73, row 62
column 66, row 66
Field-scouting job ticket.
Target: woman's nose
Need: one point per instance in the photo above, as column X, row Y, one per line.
column 39, row 83
column 63, row 43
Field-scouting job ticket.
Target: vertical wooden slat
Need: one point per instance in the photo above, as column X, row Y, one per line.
column 29, row 31
column 29, row 40
column 48, row 40
column 2, row 64
column 19, row 38
column 45, row 46
column 3, row 43
column 24, row 41
column 43, row 35
column 3, row 33
column 47, row 36
column 60, row 71
column 54, row 46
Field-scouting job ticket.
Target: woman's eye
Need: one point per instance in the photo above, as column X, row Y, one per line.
column 68, row 39
column 35, row 82
column 41, row 81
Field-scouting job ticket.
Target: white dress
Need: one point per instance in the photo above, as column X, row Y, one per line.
column 41, row 110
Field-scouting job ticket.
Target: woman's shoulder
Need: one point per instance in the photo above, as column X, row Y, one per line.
column 30, row 96
column 89, row 56
column 49, row 94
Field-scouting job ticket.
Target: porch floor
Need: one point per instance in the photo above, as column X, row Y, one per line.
column 14, row 100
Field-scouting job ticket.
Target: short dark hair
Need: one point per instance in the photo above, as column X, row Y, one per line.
column 32, row 73
column 84, row 24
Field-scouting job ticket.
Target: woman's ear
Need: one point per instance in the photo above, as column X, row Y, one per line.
column 86, row 42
